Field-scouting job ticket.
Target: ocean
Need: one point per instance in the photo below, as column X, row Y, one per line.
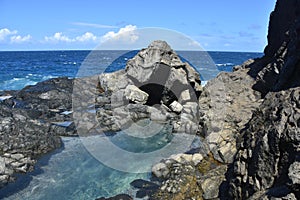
column 21, row 68
column 71, row 172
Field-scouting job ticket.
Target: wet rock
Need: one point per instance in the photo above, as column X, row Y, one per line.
column 146, row 188
column 117, row 197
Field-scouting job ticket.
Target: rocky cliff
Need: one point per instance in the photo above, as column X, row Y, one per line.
column 266, row 165
column 279, row 68
column 250, row 121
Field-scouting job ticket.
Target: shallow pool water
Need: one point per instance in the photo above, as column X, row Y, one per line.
column 70, row 173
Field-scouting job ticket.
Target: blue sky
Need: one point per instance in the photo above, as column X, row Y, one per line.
column 218, row 25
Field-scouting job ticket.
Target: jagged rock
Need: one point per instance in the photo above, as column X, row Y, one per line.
column 26, row 129
column 136, row 95
column 279, row 68
column 155, row 77
column 226, row 105
column 211, row 182
column 269, row 147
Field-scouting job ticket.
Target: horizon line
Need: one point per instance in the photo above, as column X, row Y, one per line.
column 36, row 50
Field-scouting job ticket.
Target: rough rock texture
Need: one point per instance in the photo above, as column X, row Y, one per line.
column 251, row 117
column 156, row 77
column 226, row 105
column 136, row 95
column 30, row 123
column 269, row 153
column 279, row 68
column 266, row 164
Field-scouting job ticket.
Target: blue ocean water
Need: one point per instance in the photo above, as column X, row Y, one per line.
column 22, row 68
column 72, row 172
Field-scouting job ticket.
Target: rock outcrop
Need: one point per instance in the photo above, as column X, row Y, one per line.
column 250, row 121
column 279, row 68
column 226, row 105
column 268, row 156
column 30, row 122
column 155, row 84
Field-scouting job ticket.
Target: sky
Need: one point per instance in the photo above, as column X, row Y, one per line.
column 217, row 25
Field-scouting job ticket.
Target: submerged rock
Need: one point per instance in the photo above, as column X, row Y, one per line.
column 117, row 197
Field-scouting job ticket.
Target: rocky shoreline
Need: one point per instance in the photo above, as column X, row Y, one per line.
column 31, row 121
column 248, row 120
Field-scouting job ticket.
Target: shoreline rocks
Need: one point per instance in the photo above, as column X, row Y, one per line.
column 27, row 130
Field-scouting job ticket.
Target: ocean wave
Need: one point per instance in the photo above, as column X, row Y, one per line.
column 19, row 83
column 224, row 64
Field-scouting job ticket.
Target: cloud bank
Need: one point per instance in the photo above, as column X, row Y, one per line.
column 60, row 37
column 11, row 36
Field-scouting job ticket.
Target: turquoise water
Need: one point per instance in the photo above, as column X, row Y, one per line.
column 71, row 173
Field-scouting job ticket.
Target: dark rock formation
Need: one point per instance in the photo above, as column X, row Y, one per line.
column 269, row 155
column 251, row 117
column 117, row 197
column 30, row 122
column 279, row 68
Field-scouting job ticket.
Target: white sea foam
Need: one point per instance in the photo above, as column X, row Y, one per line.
column 203, row 83
column 224, row 64
column 2, row 98
column 19, row 83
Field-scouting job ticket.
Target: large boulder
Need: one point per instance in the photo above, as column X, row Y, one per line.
column 156, row 77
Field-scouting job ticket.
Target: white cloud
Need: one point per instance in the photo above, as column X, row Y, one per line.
column 59, row 37
column 194, row 44
column 6, row 32
column 126, row 34
column 14, row 38
column 88, row 36
column 93, row 25
column 20, row 39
